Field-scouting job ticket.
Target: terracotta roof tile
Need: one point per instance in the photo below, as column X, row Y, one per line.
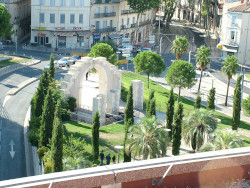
column 244, row 7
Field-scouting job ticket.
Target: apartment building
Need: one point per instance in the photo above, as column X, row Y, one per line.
column 235, row 36
column 60, row 23
column 20, row 17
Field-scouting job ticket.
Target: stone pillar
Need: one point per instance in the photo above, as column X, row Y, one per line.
column 113, row 101
column 138, row 91
column 99, row 103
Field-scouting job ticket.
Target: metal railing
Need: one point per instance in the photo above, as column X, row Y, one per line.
column 105, row 30
column 106, row 1
column 102, row 15
column 127, row 12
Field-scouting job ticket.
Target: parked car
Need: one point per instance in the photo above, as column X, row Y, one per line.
column 74, row 58
column 144, row 49
column 63, row 62
column 48, row 65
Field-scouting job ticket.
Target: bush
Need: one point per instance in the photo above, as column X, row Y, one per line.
column 34, row 137
column 65, row 114
column 246, row 105
column 71, row 104
column 41, row 152
column 124, row 93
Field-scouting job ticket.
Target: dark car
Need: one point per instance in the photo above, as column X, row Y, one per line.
column 74, row 58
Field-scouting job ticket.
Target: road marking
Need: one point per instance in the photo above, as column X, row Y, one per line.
column 12, row 152
column 6, row 99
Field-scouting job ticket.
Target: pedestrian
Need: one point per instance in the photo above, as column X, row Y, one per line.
column 113, row 159
column 102, row 158
column 87, row 74
column 108, row 158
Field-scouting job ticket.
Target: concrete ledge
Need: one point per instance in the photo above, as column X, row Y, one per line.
column 188, row 170
column 13, row 91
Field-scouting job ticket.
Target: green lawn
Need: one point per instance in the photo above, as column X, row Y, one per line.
column 248, row 76
column 12, row 61
column 110, row 136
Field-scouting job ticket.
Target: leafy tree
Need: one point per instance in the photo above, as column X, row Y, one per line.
column 95, row 136
column 246, row 105
column 129, row 110
column 202, row 58
column 111, row 43
column 52, row 68
column 6, row 26
column 180, row 46
column 223, row 139
column 150, row 105
column 47, row 120
column 177, row 129
column 229, row 68
column 103, row 50
column 148, row 138
column 237, row 104
column 126, row 153
column 170, row 112
column 198, row 126
column 57, row 140
column 210, row 100
column 170, row 7
column 149, row 63
column 181, row 74
column 197, row 103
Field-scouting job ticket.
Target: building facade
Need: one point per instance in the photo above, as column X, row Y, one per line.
column 20, row 17
column 235, row 36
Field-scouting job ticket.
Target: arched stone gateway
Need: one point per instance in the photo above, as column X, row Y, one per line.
column 109, row 85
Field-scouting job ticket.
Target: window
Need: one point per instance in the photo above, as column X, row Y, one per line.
column 62, row 18
column 233, row 19
column 72, row 3
column 105, row 9
column 72, row 18
column 47, row 40
column 133, row 19
column 232, row 35
column 81, row 3
column 35, row 39
column 122, row 21
column 63, row 3
column 52, row 18
column 112, row 9
column 80, row 18
column 97, row 10
column 97, row 25
column 41, row 2
column 128, row 21
column 104, row 24
column 111, row 23
column 41, row 18
column 52, row 2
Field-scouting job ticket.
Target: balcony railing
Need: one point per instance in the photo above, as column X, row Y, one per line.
column 102, row 15
column 106, row 1
column 127, row 12
column 134, row 25
column 145, row 23
column 105, row 30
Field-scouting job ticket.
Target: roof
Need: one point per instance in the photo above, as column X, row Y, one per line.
column 240, row 7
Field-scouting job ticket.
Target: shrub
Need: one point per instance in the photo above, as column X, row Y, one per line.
column 71, row 104
column 246, row 105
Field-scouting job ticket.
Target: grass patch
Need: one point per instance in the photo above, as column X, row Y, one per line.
column 248, row 76
column 110, row 136
column 12, row 61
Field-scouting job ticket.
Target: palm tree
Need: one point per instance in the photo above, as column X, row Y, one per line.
column 224, row 139
column 148, row 138
column 197, row 127
column 202, row 58
column 180, row 46
column 230, row 66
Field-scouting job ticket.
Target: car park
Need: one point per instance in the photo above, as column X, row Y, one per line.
column 63, row 62
column 74, row 58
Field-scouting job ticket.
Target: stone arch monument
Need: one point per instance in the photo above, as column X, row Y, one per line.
column 109, row 85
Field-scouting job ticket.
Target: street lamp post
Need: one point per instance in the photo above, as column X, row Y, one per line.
column 189, row 56
column 118, row 151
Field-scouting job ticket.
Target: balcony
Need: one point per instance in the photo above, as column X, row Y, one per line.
column 106, row 1
column 105, row 30
column 102, row 15
column 127, row 12
column 145, row 23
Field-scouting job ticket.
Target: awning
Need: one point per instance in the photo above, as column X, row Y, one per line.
column 230, row 48
column 65, row 33
column 84, row 33
column 115, row 36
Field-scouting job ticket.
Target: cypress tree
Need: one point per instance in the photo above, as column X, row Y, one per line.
column 47, row 120
column 237, row 105
column 193, row 141
column 197, row 104
column 129, row 110
column 95, row 136
column 57, row 140
column 211, row 99
column 177, row 129
column 170, row 112
column 127, row 156
column 149, row 109
column 52, row 68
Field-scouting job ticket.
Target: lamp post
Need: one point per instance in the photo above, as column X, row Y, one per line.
column 118, row 151
column 189, row 56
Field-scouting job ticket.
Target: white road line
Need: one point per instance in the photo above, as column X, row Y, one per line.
column 6, row 99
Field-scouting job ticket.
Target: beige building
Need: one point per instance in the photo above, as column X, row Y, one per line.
column 20, row 17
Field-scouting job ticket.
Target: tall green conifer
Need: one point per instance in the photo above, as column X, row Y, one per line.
column 127, row 156
column 211, row 99
column 170, row 112
column 129, row 110
column 95, row 136
column 237, row 105
column 197, row 103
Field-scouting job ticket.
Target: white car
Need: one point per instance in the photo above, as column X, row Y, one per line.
column 63, row 62
column 48, row 65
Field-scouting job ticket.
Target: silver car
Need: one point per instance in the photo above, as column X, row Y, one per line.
column 63, row 62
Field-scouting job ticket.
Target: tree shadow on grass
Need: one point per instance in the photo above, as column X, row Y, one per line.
column 78, row 124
